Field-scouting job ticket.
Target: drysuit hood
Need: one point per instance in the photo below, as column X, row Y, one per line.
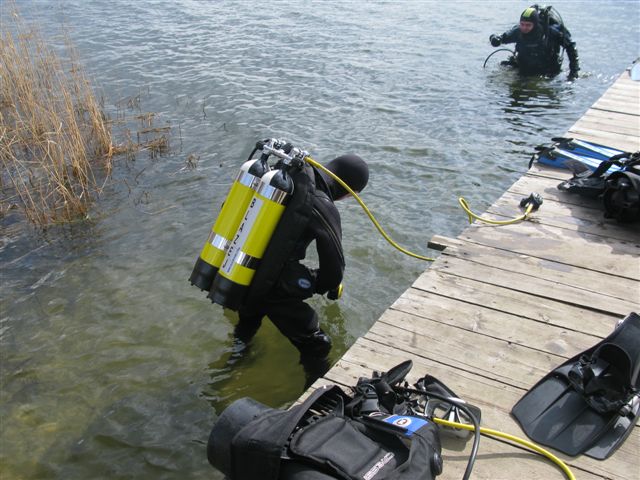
column 530, row 15
column 352, row 169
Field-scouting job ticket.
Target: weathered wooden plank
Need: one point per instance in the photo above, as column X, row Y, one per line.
column 624, row 81
column 614, row 137
column 605, row 255
column 615, row 107
column 514, row 302
column 493, row 323
column 504, row 362
column 594, row 113
column 624, row 100
column 569, row 216
column 612, row 126
column 539, row 277
column 540, row 170
column 468, row 267
column 597, row 137
column 627, row 96
column 613, row 117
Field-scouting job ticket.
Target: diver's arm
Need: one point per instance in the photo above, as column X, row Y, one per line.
column 330, row 254
column 572, row 52
column 510, row 36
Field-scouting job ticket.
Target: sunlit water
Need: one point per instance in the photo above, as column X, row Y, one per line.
column 112, row 364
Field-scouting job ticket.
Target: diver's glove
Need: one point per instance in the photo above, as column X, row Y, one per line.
column 573, row 74
column 495, row 40
column 335, row 293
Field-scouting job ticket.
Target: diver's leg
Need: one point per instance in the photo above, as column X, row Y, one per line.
column 249, row 321
column 299, row 323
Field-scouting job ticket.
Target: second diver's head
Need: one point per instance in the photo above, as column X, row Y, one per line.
column 352, row 170
column 528, row 20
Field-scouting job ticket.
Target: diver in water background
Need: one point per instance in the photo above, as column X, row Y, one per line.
column 539, row 37
column 285, row 305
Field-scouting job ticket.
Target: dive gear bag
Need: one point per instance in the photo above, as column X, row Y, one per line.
column 599, row 172
column 379, row 432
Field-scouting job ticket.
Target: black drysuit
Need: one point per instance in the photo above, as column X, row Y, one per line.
column 285, row 305
column 538, row 53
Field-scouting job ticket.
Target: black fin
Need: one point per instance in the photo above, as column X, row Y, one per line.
column 591, row 403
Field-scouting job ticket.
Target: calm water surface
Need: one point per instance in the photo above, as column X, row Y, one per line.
column 112, row 364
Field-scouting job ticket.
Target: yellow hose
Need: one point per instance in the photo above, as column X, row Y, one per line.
column 471, row 215
column 530, row 445
column 311, row 161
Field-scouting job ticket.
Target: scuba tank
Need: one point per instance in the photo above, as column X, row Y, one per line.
column 255, row 229
column 229, row 218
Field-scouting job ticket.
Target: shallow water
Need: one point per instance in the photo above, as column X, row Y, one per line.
column 112, row 364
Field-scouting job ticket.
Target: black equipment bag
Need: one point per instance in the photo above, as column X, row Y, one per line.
column 621, row 196
column 317, row 441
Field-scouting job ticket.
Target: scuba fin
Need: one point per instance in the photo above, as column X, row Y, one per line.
column 591, row 403
column 564, row 152
column 584, row 148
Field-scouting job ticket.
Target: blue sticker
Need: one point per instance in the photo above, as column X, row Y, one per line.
column 410, row 424
column 304, row 283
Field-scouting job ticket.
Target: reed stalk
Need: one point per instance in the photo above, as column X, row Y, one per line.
column 54, row 137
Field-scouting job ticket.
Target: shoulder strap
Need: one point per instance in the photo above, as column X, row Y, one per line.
column 286, row 235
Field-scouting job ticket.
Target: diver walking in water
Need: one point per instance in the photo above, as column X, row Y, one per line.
column 539, row 38
column 251, row 262
column 285, row 305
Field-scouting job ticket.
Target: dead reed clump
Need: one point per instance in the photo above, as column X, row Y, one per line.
column 53, row 132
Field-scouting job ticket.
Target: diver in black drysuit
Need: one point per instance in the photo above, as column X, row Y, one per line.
column 537, row 47
column 285, row 305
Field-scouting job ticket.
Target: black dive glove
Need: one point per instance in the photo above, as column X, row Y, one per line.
column 495, row 40
column 335, row 293
column 573, row 74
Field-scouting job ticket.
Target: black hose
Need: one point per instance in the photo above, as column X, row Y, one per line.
column 458, row 404
column 493, row 53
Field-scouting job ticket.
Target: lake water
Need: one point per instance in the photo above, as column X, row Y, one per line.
column 112, row 364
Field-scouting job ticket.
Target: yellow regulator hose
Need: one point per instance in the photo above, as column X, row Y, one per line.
column 525, row 443
column 312, row 162
column 532, row 203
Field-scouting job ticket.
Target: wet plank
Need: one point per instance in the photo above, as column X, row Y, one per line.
column 609, row 256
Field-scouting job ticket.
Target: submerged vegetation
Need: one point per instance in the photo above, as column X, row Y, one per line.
column 56, row 144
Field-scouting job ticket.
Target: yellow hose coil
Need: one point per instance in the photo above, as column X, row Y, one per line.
column 512, row 438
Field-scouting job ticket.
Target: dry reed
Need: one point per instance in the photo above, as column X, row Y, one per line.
column 52, row 129
column 56, row 143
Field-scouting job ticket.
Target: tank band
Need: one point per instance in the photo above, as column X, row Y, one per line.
column 248, row 180
column 218, row 241
column 247, row 261
column 272, row 193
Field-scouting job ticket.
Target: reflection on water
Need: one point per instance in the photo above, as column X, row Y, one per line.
column 113, row 366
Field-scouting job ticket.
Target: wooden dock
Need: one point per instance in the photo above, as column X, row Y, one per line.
column 504, row 305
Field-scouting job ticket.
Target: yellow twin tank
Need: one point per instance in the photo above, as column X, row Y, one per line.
column 229, row 218
column 252, row 236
